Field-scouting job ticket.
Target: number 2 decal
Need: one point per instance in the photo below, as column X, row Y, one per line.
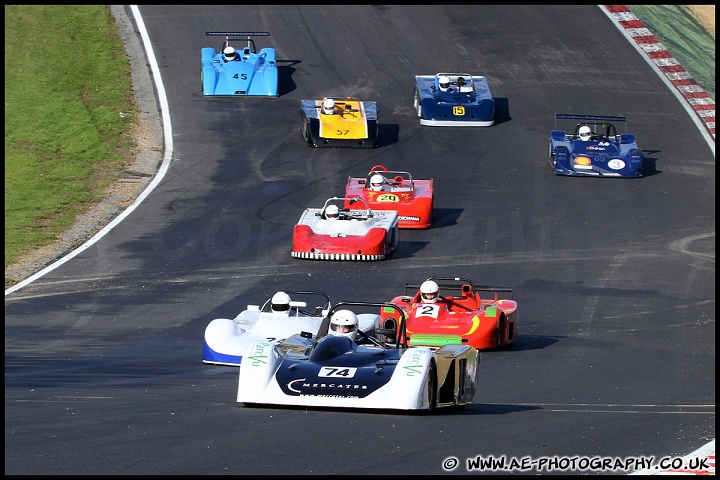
column 427, row 311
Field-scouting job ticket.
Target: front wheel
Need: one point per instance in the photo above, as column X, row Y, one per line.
column 431, row 393
column 551, row 156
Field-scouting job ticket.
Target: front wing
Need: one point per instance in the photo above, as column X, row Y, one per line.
column 422, row 379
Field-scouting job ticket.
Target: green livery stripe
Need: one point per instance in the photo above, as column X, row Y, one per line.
column 491, row 312
column 432, row 340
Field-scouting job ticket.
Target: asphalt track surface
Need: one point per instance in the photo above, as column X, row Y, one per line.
column 615, row 278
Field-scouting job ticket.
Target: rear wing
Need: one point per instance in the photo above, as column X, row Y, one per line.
column 462, row 285
column 598, row 123
column 238, row 34
column 600, row 118
column 591, row 119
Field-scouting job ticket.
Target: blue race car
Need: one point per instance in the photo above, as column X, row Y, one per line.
column 591, row 147
column 241, row 72
column 454, row 100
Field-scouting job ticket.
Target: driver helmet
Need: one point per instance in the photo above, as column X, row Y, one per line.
column 376, row 182
column 429, row 292
column 332, row 211
column 229, row 53
column 344, row 323
column 280, row 302
column 444, row 83
column 328, row 106
column 584, row 133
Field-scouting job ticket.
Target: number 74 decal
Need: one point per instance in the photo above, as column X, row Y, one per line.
column 337, row 372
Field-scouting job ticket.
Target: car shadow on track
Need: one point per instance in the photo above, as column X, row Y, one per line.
column 388, row 134
column 285, row 72
column 502, row 110
column 649, row 167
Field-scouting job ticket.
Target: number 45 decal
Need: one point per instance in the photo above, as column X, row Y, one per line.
column 242, row 76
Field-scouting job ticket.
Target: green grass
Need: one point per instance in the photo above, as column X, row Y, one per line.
column 685, row 38
column 69, row 114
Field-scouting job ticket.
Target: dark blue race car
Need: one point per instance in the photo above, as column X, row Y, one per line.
column 378, row 370
column 239, row 71
column 591, row 147
column 454, row 100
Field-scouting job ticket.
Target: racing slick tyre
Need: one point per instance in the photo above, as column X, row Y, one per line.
column 305, row 130
column 431, row 389
column 417, row 104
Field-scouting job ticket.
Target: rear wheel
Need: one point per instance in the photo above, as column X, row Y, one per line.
column 418, row 105
column 306, row 132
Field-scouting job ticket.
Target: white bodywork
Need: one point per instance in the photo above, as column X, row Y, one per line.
column 257, row 383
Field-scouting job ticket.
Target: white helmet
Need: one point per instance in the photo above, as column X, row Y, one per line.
column 429, row 291
column 444, row 83
column 229, row 53
column 328, row 106
column 343, row 323
column 376, row 182
column 584, row 133
column 280, row 302
column 332, row 211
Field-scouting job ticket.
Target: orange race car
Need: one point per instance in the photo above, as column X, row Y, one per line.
column 339, row 122
column 453, row 307
column 385, row 189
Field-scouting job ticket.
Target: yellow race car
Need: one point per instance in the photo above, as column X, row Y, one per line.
column 339, row 122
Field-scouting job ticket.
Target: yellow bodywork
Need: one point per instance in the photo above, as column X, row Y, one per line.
column 348, row 121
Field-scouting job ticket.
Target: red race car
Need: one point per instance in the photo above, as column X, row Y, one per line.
column 335, row 232
column 482, row 323
column 385, row 189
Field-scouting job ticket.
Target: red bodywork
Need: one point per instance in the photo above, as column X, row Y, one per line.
column 481, row 323
column 375, row 244
column 412, row 199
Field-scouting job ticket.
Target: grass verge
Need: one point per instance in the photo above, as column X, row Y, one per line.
column 69, row 118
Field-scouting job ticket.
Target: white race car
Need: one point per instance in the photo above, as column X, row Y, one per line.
column 379, row 371
column 227, row 338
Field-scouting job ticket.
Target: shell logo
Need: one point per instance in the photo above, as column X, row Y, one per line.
column 582, row 161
